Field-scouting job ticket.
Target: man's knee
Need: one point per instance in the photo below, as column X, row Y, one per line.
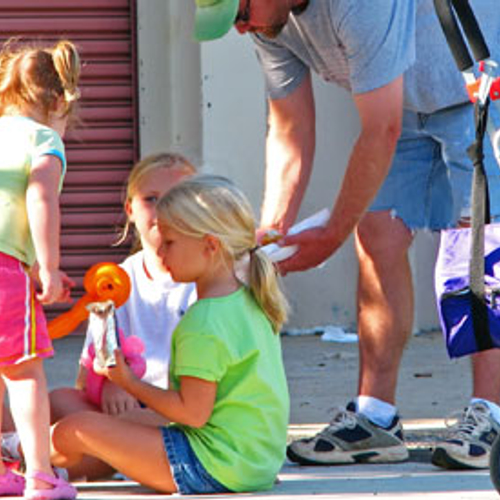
column 380, row 236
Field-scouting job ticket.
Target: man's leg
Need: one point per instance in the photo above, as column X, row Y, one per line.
column 486, row 375
column 369, row 429
column 385, row 312
column 468, row 443
column 385, row 302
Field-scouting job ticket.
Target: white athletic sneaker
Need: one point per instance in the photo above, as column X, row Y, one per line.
column 468, row 443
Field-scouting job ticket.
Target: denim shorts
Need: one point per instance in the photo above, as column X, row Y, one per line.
column 190, row 476
column 429, row 184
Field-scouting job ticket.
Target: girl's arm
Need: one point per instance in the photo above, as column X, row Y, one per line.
column 192, row 405
column 42, row 201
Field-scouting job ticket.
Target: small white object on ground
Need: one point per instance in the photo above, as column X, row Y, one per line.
column 337, row 334
column 329, row 333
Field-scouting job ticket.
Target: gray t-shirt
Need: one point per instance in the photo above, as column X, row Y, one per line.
column 434, row 81
column 362, row 45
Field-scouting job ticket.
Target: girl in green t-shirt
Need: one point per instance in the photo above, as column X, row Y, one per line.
column 228, row 399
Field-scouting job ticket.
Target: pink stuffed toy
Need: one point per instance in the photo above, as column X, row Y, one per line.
column 132, row 348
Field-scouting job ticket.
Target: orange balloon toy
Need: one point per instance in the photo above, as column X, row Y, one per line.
column 104, row 281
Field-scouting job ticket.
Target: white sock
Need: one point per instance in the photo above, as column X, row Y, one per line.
column 378, row 411
column 493, row 407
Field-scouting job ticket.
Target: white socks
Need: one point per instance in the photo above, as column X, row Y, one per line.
column 382, row 413
column 376, row 410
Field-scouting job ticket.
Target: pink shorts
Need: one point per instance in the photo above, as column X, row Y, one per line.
column 23, row 327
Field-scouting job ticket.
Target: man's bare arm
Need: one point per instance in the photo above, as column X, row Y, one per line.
column 289, row 156
column 380, row 114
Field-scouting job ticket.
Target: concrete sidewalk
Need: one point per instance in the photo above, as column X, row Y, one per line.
column 406, row 481
column 322, row 375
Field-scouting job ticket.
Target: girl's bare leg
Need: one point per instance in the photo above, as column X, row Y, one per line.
column 67, row 400
column 7, row 422
column 144, row 416
column 92, row 468
column 29, row 405
column 134, row 449
column 2, row 396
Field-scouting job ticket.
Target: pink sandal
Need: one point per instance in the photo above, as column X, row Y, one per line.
column 11, row 484
column 61, row 489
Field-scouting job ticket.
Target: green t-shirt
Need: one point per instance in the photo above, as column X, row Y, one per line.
column 229, row 340
column 22, row 141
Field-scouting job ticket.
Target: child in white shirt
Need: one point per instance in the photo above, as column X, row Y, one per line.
column 154, row 307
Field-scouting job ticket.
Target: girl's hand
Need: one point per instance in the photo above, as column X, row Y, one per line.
column 120, row 374
column 56, row 286
column 115, row 400
column 68, row 285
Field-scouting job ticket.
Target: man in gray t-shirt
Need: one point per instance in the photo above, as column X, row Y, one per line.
column 407, row 170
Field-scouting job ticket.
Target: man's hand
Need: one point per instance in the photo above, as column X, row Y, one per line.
column 314, row 247
column 115, row 400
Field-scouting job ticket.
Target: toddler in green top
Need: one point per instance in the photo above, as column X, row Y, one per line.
column 228, row 401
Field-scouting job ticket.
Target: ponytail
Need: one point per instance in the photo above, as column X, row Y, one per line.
column 67, row 65
column 212, row 204
column 35, row 76
column 264, row 285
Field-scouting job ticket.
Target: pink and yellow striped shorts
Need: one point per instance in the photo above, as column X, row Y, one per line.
column 23, row 327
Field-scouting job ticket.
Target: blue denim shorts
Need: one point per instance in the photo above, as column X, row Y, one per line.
column 189, row 474
column 429, row 184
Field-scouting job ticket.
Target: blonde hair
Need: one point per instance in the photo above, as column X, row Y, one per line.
column 36, row 76
column 142, row 168
column 210, row 204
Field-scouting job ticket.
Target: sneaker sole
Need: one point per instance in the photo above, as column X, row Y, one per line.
column 381, row 455
column 440, row 458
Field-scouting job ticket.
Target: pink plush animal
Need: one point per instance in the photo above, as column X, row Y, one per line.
column 132, row 348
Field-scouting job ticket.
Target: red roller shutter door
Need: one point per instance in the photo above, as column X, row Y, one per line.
column 101, row 151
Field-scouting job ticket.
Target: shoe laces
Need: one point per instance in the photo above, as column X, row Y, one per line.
column 341, row 419
column 473, row 420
